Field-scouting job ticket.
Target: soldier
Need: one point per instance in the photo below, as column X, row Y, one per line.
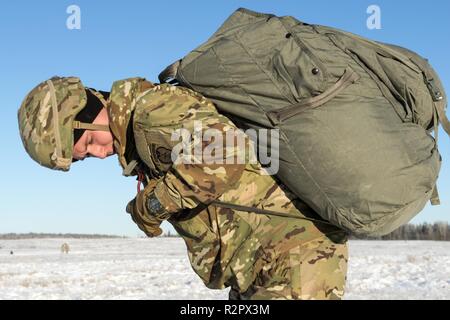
column 65, row 248
column 242, row 228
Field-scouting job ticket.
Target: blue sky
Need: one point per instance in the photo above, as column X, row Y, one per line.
column 120, row 39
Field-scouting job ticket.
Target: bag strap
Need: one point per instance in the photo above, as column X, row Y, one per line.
column 439, row 106
column 237, row 207
column 439, row 115
column 435, row 92
column 435, row 201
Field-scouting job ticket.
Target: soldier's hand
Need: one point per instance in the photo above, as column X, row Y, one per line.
column 147, row 212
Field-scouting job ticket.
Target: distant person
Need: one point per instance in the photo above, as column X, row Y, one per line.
column 65, row 248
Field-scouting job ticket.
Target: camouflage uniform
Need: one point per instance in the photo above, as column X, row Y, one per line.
column 259, row 256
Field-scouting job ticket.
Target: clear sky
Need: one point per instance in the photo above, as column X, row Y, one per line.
column 120, row 39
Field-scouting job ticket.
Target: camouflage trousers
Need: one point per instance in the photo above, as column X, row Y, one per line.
column 315, row 270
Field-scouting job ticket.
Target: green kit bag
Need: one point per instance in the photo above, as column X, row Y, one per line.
column 355, row 116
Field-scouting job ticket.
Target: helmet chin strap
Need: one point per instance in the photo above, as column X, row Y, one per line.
column 90, row 126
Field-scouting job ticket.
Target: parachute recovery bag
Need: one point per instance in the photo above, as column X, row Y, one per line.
column 355, row 116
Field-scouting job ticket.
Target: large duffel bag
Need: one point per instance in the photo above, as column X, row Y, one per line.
column 355, row 116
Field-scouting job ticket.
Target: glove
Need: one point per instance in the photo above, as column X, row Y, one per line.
column 147, row 212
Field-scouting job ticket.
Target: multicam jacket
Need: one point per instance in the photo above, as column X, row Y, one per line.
column 226, row 247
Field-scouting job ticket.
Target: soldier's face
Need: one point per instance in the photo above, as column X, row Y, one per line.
column 97, row 144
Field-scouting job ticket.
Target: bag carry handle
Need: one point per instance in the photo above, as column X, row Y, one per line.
column 436, row 94
column 169, row 73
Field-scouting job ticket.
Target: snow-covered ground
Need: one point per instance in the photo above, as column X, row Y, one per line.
column 159, row 269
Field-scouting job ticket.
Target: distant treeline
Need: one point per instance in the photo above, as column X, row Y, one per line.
column 18, row 236
column 439, row 231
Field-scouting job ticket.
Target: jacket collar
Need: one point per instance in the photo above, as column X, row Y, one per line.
column 121, row 104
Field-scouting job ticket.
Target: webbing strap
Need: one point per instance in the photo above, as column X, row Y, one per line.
column 90, row 126
column 99, row 97
column 233, row 206
column 435, row 93
column 55, row 118
column 129, row 168
column 435, row 201
column 439, row 115
column 442, row 117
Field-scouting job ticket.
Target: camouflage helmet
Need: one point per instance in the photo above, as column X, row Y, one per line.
column 47, row 120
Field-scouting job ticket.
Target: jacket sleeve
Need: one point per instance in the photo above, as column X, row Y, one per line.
column 211, row 153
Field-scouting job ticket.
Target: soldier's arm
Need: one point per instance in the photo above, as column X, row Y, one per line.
column 207, row 167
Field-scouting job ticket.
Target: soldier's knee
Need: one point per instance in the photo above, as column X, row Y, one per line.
column 322, row 272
